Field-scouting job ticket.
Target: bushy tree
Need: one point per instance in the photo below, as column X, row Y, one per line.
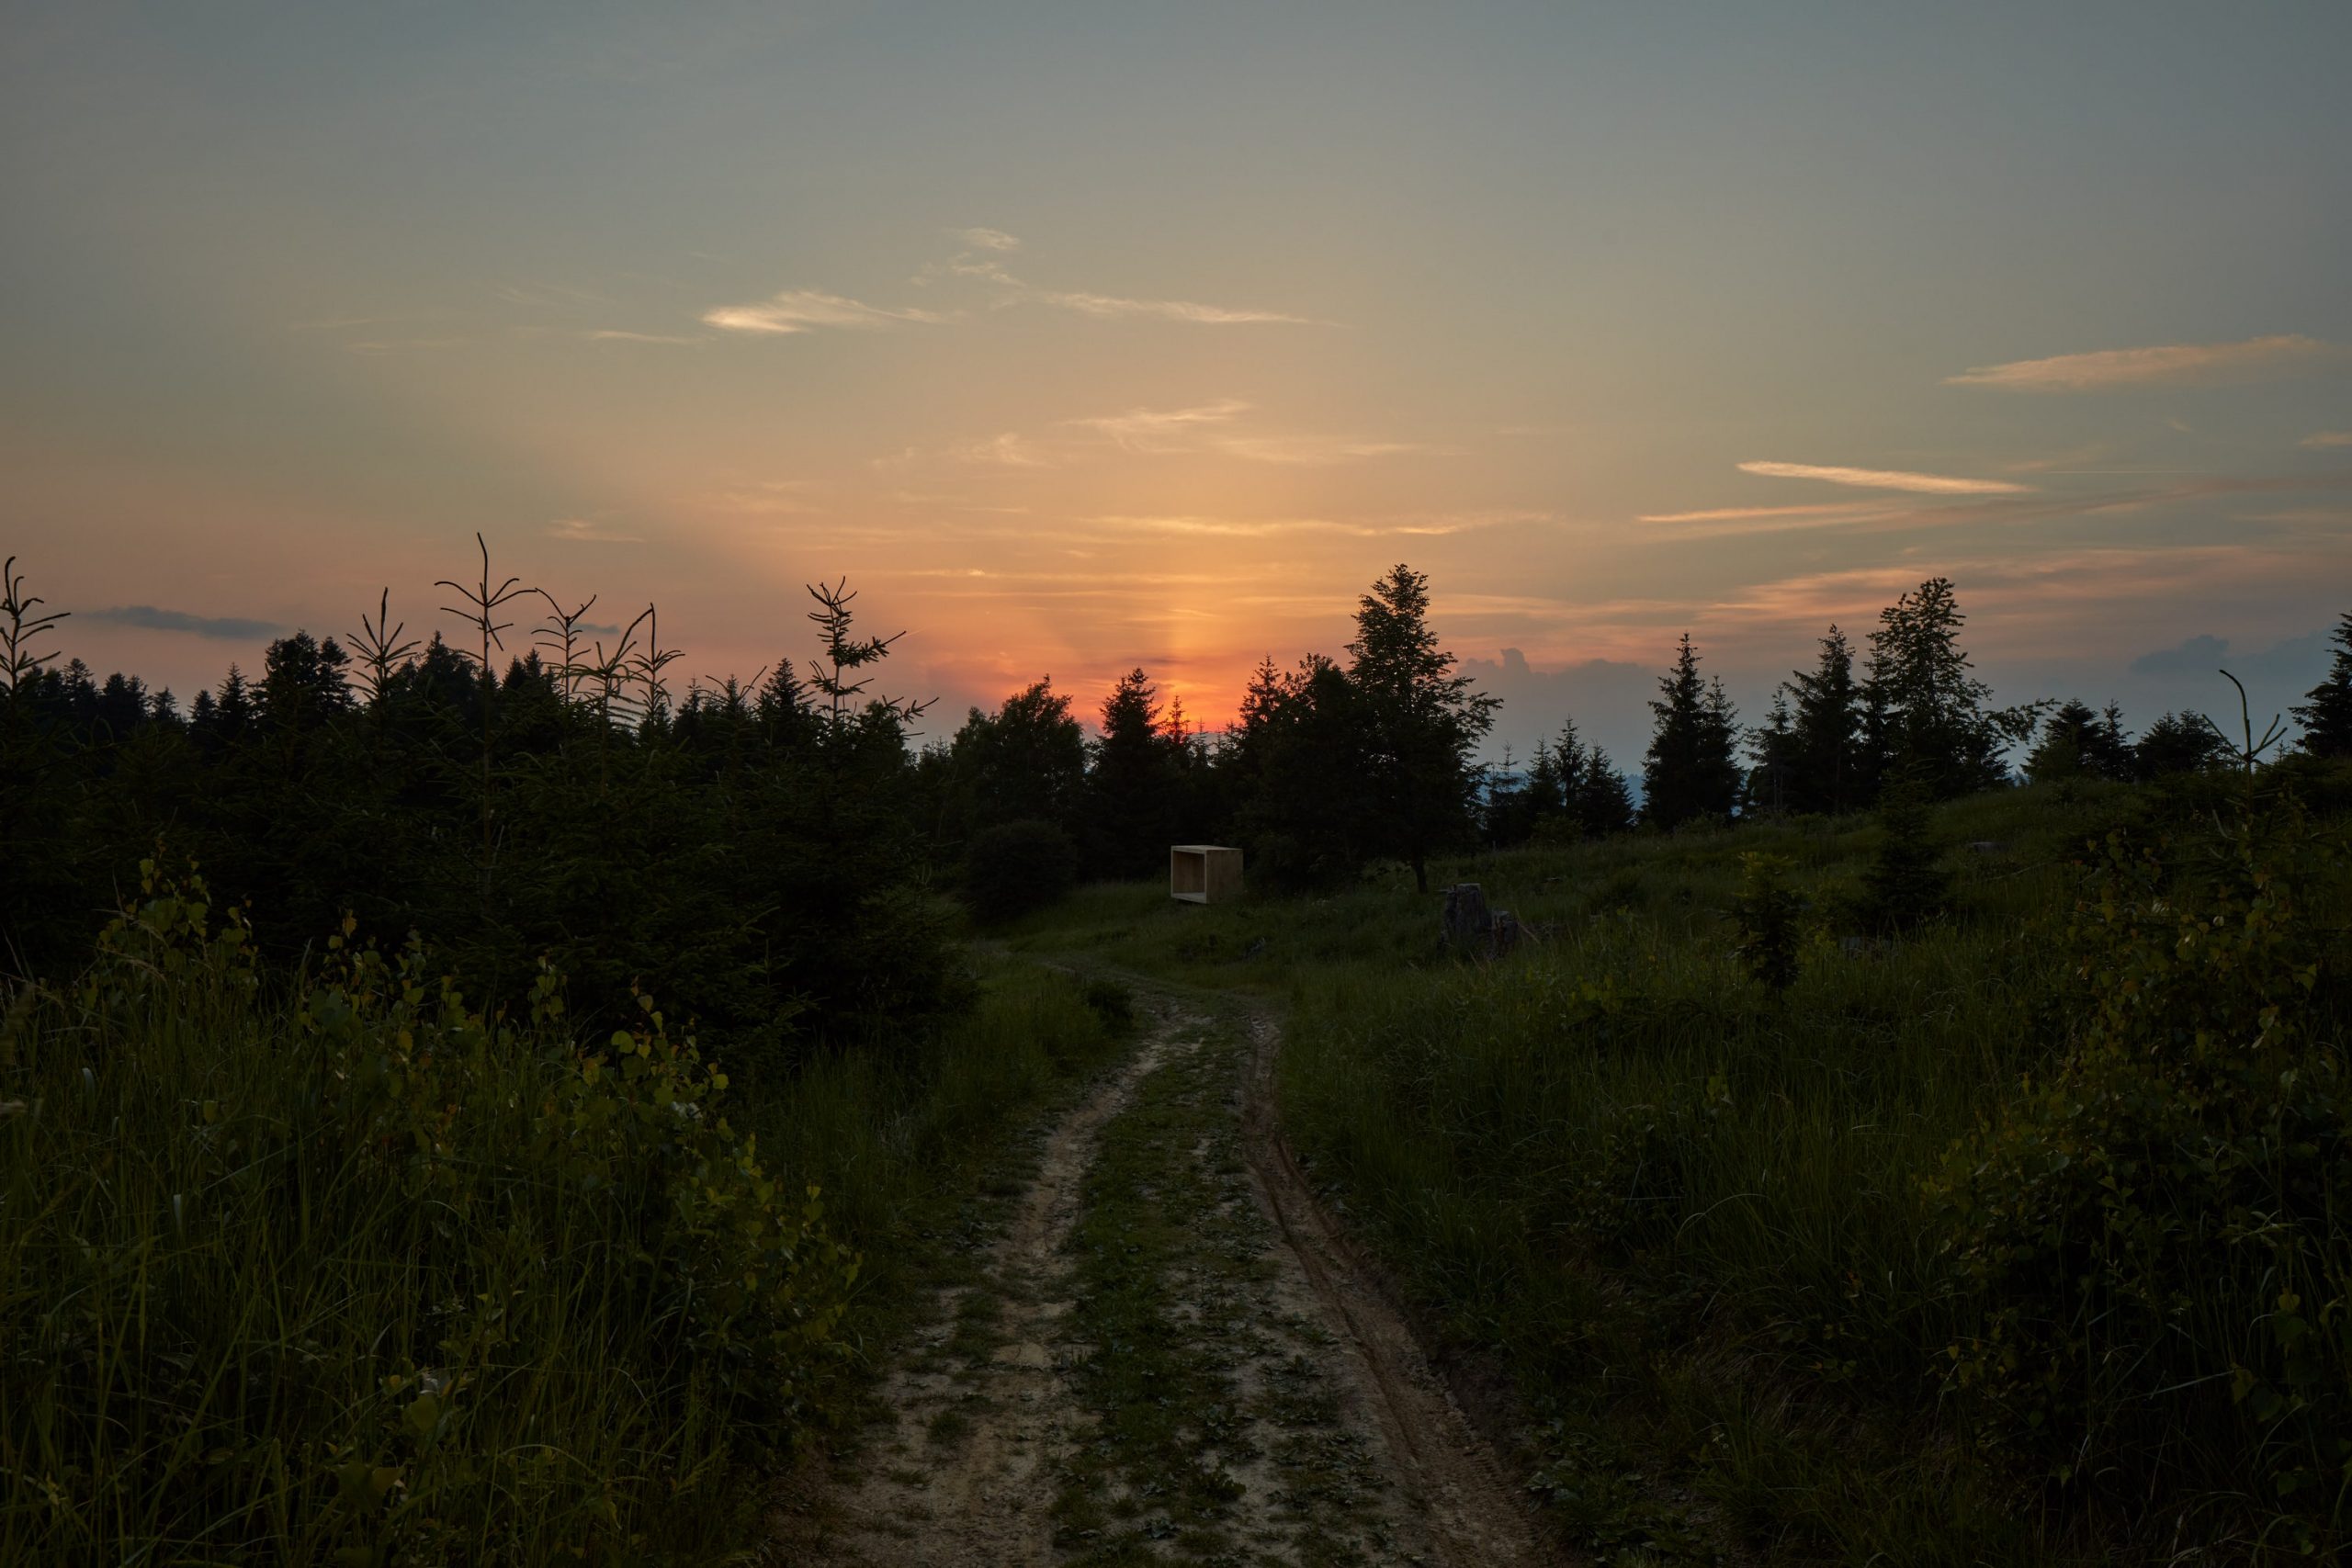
column 1025, row 762
column 2077, row 742
column 1689, row 772
column 2177, row 743
column 1423, row 722
column 1937, row 726
column 1299, row 765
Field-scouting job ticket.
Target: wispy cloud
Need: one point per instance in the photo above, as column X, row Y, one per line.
column 1317, row 450
column 987, row 239
column 2168, row 365
column 613, row 334
column 1840, row 509
column 1209, row 427
column 588, row 530
column 1111, row 305
column 2324, row 438
column 807, row 310
column 1415, row 525
column 228, row 628
column 1885, row 478
column 1010, row 450
column 1152, row 430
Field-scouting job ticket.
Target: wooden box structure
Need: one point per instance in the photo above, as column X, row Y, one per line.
column 1203, row 873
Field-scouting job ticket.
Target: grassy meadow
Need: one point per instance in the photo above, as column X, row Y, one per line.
column 2014, row 1237
column 334, row 1268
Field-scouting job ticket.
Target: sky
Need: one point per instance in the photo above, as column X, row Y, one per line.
column 1081, row 338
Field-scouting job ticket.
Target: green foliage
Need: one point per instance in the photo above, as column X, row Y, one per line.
column 362, row 1274
column 2156, row 1236
column 1906, row 882
column 1016, row 867
column 1690, row 775
column 1766, row 916
column 759, row 851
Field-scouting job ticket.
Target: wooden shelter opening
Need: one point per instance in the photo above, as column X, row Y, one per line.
column 1203, row 873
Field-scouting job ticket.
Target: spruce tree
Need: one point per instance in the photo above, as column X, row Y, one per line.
column 1603, row 801
column 1425, row 722
column 1689, row 772
column 1132, row 785
column 2326, row 717
column 1829, row 766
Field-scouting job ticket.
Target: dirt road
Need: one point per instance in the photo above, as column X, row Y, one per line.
column 1170, row 1357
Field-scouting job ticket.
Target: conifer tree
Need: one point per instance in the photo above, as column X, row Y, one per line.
column 2326, row 716
column 1603, row 801
column 1772, row 755
column 1132, row 785
column 1424, row 722
column 1828, row 763
column 1690, row 774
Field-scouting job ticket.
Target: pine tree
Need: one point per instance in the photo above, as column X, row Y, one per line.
column 2326, row 717
column 1828, row 763
column 1690, row 774
column 1425, row 722
column 1604, row 802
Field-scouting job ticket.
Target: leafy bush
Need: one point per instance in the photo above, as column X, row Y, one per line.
column 1016, row 867
column 362, row 1274
column 2158, row 1237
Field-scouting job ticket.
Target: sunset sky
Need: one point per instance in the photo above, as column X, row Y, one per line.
column 1085, row 336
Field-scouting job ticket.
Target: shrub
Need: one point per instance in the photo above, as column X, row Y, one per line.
column 1906, row 882
column 1016, row 867
column 2156, row 1238
column 362, row 1274
column 1765, row 915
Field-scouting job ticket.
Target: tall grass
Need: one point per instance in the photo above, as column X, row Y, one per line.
column 1711, row 1228
column 337, row 1269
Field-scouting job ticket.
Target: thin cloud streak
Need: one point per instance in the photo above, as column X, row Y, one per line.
column 1151, row 430
column 987, row 239
column 585, row 530
column 806, row 310
column 613, row 334
column 150, row 618
column 2325, row 438
column 1111, row 305
column 1735, row 513
column 2168, row 365
column 1885, row 478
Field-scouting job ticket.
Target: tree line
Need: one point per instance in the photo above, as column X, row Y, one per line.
column 775, row 844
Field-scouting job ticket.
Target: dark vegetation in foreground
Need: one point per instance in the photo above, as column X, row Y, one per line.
column 2019, row 1236
column 379, row 1192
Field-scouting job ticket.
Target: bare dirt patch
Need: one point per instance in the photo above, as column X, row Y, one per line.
column 981, row 1409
